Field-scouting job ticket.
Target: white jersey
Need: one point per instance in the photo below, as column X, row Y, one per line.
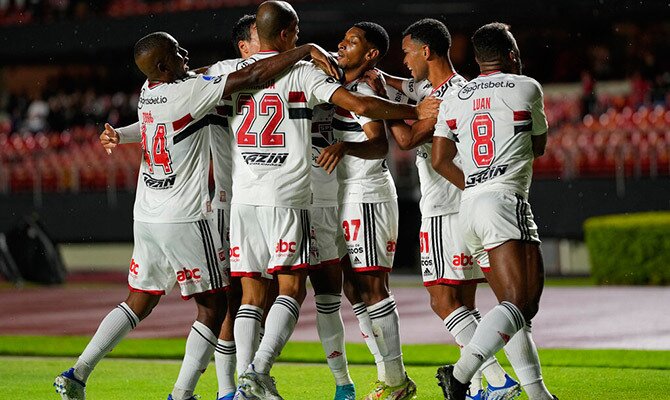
column 272, row 125
column 221, row 141
column 438, row 195
column 173, row 181
column 361, row 181
column 324, row 185
column 491, row 119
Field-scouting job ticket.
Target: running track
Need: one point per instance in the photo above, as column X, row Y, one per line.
column 574, row 317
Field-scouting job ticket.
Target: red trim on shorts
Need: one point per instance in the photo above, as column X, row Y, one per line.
column 154, row 292
column 485, row 269
column 223, row 289
column 443, row 281
column 246, row 274
column 284, row 268
column 371, row 268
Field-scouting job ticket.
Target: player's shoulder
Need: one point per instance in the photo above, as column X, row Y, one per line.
column 224, row 66
column 360, row 86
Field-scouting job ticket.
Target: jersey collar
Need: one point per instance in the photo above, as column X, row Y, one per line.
column 491, row 73
column 442, row 84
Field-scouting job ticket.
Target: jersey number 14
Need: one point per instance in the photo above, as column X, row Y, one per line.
column 159, row 154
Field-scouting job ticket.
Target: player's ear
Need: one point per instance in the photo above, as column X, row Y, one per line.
column 372, row 54
column 242, row 45
column 161, row 67
column 426, row 52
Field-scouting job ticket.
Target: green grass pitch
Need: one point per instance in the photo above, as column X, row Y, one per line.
column 29, row 364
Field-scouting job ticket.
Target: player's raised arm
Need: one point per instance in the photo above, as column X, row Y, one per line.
column 375, row 147
column 111, row 137
column 372, row 106
column 266, row 69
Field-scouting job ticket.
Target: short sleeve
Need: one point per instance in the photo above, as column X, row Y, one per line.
column 446, row 124
column 395, row 95
column 319, row 86
column 416, row 91
column 540, row 125
column 205, row 94
column 222, row 67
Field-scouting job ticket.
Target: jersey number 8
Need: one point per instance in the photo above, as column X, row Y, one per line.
column 483, row 147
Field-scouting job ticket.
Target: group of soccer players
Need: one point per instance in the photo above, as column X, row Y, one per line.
column 303, row 190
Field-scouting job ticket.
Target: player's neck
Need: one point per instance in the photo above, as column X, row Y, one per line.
column 486, row 68
column 352, row 74
column 439, row 71
column 269, row 46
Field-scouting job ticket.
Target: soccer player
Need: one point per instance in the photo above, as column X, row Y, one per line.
column 368, row 204
column 171, row 201
column 245, row 42
column 448, row 270
column 496, row 123
column 271, row 185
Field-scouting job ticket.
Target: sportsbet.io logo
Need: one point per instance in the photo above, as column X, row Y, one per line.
column 468, row 90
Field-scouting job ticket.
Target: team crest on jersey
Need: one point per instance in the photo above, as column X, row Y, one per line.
column 159, row 184
column 268, row 159
column 214, row 79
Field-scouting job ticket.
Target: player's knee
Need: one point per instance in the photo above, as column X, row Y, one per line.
column 443, row 304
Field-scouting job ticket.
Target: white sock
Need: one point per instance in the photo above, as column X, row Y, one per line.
column 200, row 346
column 386, row 326
column 330, row 327
column 493, row 371
column 261, row 333
column 114, row 327
column 224, row 360
column 246, row 331
column 462, row 325
column 279, row 325
column 495, row 330
column 522, row 354
column 365, row 325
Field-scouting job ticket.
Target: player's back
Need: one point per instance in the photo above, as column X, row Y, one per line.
column 272, row 125
column 172, row 183
column 492, row 119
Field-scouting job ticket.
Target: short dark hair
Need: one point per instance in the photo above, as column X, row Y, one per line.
column 492, row 42
column 375, row 34
column 432, row 33
column 242, row 30
column 150, row 42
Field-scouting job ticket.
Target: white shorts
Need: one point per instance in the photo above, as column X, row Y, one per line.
column 222, row 223
column 491, row 218
column 445, row 260
column 186, row 253
column 328, row 246
column 265, row 240
column 371, row 232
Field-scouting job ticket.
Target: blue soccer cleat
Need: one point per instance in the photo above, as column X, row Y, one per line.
column 480, row 395
column 510, row 390
column 229, row 396
column 345, row 392
column 190, row 398
column 69, row 387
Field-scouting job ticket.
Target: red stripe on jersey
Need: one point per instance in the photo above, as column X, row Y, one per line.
column 452, row 124
column 152, row 85
column 297, row 97
column 490, row 73
column 522, row 115
column 181, row 122
column 342, row 112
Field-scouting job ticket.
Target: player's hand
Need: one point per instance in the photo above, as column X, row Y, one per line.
column 376, row 81
column 331, row 156
column 428, row 108
column 325, row 61
column 109, row 138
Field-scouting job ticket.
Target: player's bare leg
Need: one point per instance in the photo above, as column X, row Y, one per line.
column 386, row 329
column 248, row 320
column 327, row 284
column 200, row 343
column 352, row 293
column 113, row 328
column 225, row 355
column 516, row 277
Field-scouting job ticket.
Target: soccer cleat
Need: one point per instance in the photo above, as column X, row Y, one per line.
column 452, row 389
column 345, row 392
column 480, row 395
column 254, row 385
column 555, row 398
column 510, row 390
column 190, row 398
column 229, row 396
column 404, row 391
column 69, row 387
